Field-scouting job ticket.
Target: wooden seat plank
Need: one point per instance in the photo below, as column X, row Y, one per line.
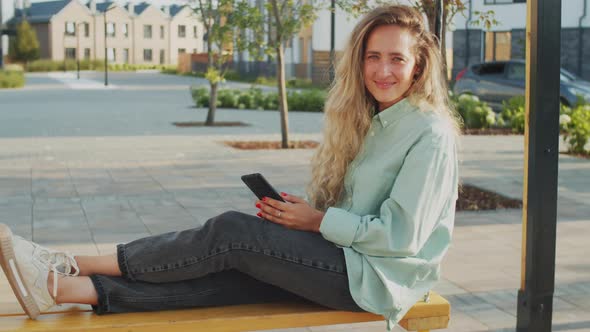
column 422, row 317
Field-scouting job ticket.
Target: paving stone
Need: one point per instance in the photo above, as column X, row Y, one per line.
column 108, row 183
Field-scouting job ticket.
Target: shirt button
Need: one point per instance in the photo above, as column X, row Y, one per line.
column 372, row 133
column 350, row 199
column 384, row 122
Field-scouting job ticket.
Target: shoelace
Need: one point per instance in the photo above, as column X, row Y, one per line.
column 60, row 263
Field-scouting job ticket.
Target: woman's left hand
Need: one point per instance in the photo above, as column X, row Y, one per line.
column 296, row 213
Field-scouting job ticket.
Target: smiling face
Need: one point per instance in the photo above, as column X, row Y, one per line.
column 389, row 64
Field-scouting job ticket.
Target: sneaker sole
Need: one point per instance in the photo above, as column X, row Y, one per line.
column 15, row 278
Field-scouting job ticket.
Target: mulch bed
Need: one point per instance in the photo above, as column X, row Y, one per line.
column 585, row 156
column 215, row 124
column 489, row 131
column 472, row 198
column 270, row 145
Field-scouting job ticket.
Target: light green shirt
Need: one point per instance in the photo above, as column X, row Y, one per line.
column 396, row 217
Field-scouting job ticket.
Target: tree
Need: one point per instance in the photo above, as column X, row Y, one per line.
column 225, row 21
column 219, row 35
column 25, row 46
column 287, row 18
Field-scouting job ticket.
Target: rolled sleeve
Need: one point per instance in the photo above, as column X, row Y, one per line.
column 339, row 226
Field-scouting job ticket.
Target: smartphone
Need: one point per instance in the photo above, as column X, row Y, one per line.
column 260, row 187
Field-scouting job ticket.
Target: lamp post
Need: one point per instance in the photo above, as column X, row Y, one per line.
column 78, row 48
column 106, row 60
column 1, row 25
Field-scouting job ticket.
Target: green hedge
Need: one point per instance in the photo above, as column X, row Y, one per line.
column 475, row 113
column 50, row 65
column 254, row 98
column 574, row 122
column 11, row 79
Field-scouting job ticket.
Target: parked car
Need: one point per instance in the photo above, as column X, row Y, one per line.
column 496, row 81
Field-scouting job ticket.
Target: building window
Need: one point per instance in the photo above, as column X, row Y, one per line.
column 86, row 54
column 181, row 50
column 111, row 29
column 147, row 55
column 70, row 29
column 111, row 56
column 70, row 53
column 161, row 32
column 497, row 45
column 162, row 57
column 125, row 55
column 126, row 30
column 195, row 32
column 182, row 31
column 86, row 29
column 147, row 31
column 194, row 50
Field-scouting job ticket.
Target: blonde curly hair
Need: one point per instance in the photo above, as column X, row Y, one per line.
column 350, row 107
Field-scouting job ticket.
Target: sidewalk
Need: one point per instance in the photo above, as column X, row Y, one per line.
column 87, row 194
column 89, row 169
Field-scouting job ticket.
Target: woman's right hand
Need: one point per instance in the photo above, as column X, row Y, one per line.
column 296, row 213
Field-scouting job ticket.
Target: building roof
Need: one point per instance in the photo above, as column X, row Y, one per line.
column 101, row 7
column 175, row 9
column 138, row 8
column 39, row 12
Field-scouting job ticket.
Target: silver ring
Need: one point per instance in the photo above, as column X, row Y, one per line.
column 279, row 214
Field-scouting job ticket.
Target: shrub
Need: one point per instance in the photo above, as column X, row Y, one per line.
column 476, row 114
column 11, row 79
column 575, row 123
column 255, row 98
column 271, row 101
column 227, row 98
column 200, row 96
column 513, row 113
column 50, row 65
column 308, row 100
column 247, row 100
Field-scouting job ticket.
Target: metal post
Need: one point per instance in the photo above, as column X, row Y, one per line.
column 332, row 42
column 1, row 26
column 78, row 49
column 106, row 61
column 535, row 297
column 438, row 22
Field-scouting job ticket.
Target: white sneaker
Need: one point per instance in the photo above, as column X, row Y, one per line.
column 27, row 266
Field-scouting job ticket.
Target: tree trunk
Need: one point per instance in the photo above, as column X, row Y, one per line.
column 443, row 52
column 212, row 105
column 283, row 107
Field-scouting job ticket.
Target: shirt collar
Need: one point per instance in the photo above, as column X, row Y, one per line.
column 394, row 112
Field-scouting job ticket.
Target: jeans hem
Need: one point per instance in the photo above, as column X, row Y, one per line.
column 122, row 260
column 102, row 306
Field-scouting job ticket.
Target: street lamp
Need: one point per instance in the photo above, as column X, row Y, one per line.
column 77, row 47
column 1, row 25
column 106, row 61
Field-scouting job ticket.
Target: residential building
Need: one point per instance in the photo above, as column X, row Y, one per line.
column 186, row 33
column 134, row 33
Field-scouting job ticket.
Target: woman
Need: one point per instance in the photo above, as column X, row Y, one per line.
column 383, row 192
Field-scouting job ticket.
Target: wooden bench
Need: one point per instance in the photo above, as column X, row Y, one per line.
column 424, row 316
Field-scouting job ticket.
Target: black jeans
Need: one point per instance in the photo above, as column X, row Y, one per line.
column 234, row 258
